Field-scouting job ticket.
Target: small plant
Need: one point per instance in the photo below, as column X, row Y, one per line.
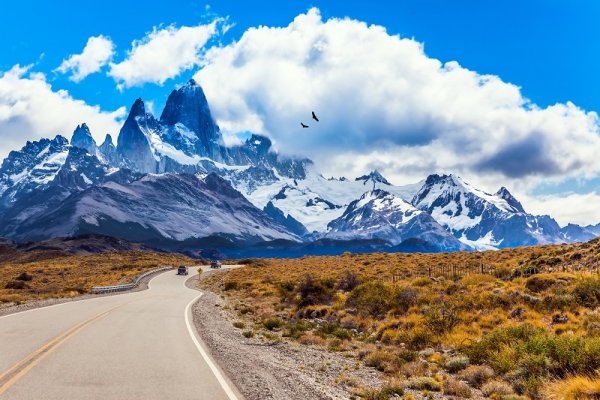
column 239, row 325
column 424, row 383
column 477, row 375
column 453, row 387
column 496, row 388
column 248, row 334
column 455, row 364
column 272, row 323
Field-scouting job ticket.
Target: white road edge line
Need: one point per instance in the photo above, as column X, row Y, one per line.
column 228, row 391
column 77, row 301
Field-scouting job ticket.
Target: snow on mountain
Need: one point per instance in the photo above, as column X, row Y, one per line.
column 173, row 178
column 575, row 233
column 156, row 207
column 34, row 166
column 379, row 214
column 480, row 219
column 314, row 200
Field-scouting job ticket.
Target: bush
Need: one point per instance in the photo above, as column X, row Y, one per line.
column 239, row 324
column 348, row 281
column 16, row 285
column 587, row 292
column 424, row 383
column 272, row 323
column 334, row 329
column 538, row 284
column 405, row 298
column 380, row 360
column 441, row 319
column 371, row 299
column 314, row 292
column 230, row 285
column 455, row 364
column 24, row 276
column 453, row 387
column 496, row 388
column 476, row 375
column 248, row 334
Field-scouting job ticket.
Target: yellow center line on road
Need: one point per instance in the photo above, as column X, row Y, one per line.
column 9, row 377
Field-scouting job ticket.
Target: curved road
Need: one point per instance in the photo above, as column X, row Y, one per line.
column 139, row 345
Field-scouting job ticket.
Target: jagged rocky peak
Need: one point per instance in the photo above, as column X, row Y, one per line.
column 82, row 138
column 133, row 142
column 373, row 176
column 108, row 150
column 503, row 193
column 188, row 106
column 137, row 109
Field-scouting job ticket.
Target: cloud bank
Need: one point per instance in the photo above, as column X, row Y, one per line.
column 30, row 109
column 162, row 54
column 385, row 104
column 97, row 52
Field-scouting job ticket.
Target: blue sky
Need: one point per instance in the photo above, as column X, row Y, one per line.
column 550, row 48
column 501, row 115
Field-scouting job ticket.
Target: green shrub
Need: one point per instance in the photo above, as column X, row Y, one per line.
column 455, row 364
column 424, row 383
column 248, row 334
column 314, row 292
column 587, row 292
column 371, row 299
column 272, row 323
column 441, row 319
column 239, row 324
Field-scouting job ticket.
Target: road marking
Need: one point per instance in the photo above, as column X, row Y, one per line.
column 9, row 377
column 220, row 378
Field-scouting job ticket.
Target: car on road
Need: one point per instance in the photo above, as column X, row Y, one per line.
column 215, row 264
column 182, row 270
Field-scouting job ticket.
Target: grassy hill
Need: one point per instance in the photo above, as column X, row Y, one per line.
column 527, row 327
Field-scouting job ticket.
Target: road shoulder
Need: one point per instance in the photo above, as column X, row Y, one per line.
column 261, row 369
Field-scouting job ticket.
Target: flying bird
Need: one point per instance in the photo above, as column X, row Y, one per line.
column 315, row 117
column 304, row 126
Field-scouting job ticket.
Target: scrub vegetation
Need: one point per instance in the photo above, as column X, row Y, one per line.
column 528, row 327
column 41, row 274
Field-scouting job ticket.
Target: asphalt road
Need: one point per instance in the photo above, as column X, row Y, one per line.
column 138, row 345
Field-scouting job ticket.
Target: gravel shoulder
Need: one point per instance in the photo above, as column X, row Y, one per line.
column 263, row 369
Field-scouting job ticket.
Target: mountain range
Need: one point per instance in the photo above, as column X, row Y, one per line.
column 172, row 182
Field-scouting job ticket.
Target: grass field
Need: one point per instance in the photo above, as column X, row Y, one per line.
column 42, row 275
column 528, row 327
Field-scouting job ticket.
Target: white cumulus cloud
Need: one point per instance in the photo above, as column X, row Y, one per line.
column 384, row 103
column 162, row 54
column 97, row 52
column 31, row 109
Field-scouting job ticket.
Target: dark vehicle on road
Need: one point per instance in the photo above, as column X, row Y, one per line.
column 182, row 270
column 215, row 264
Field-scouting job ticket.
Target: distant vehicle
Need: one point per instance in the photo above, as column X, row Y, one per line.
column 182, row 270
column 215, row 264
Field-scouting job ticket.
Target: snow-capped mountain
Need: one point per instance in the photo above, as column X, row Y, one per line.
column 382, row 215
column 172, row 178
column 480, row 219
column 154, row 207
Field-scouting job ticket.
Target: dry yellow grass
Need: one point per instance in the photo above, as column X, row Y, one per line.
column 60, row 275
column 529, row 318
column 573, row 388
